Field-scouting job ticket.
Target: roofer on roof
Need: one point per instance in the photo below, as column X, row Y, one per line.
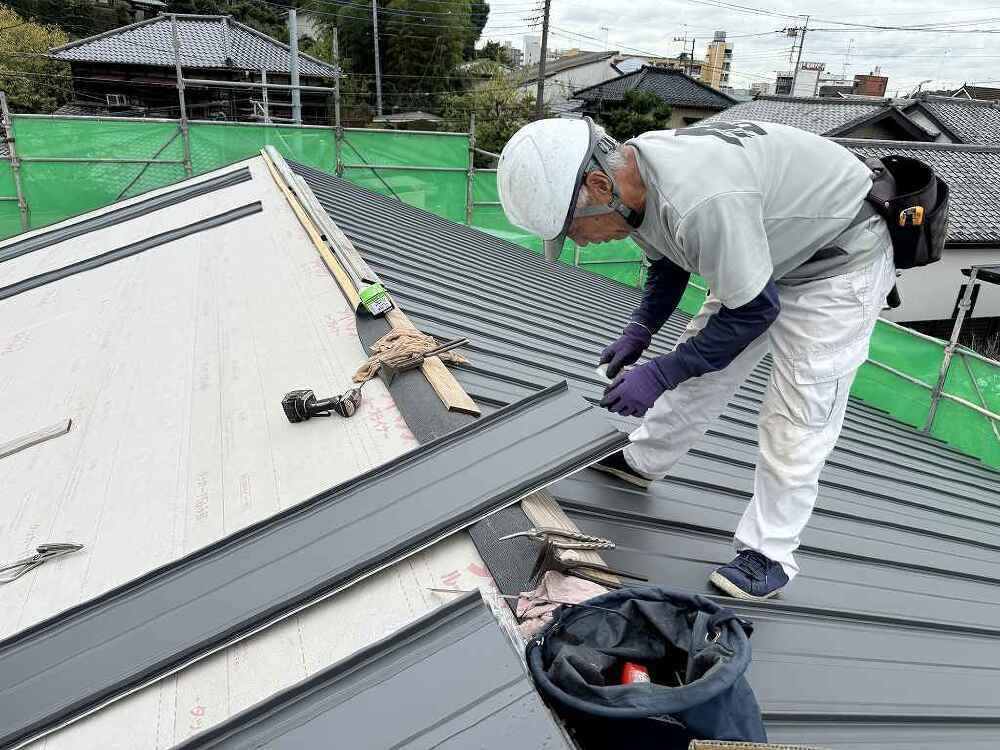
column 797, row 263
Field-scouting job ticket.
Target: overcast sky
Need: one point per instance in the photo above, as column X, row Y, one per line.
column 907, row 57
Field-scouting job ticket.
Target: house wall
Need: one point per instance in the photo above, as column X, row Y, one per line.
column 560, row 87
column 930, row 293
column 886, row 130
column 683, row 116
column 153, row 89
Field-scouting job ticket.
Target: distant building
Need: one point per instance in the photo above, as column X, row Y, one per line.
column 783, row 83
column 514, row 56
column 981, row 93
column 718, row 61
column 690, row 100
column 567, row 74
column 872, row 84
column 761, row 88
column 130, row 70
column 686, row 64
column 532, row 50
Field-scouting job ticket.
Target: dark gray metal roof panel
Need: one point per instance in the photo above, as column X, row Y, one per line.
column 972, row 174
column 449, row 680
column 57, row 670
column 900, row 582
column 205, row 41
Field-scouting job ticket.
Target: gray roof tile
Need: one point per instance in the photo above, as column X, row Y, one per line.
column 672, row 86
column 972, row 121
column 206, row 42
column 817, row 115
column 972, row 174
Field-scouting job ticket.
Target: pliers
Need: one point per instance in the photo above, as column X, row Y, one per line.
column 43, row 552
column 554, row 540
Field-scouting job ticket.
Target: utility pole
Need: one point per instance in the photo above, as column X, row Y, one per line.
column 800, row 31
column 293, row 45
column 689, row 67
column 540, row 95
column 378, row 65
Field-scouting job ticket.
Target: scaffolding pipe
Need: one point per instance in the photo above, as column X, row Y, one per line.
column 293, row 65
column 208, row 83
column 338, row 130
column 979, row 392
column 15, row 162
column 948, row 396
column 470, row 178
column 89, row 160
column 378, row 63
column 406, row 168
column 949, row 349
column 185, row 133
column 266, row 103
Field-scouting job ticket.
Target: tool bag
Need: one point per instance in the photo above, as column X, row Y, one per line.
column 914, row 203
column 696, row 653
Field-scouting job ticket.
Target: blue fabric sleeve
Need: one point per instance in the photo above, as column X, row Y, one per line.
column 665, row 285
column 726, row 335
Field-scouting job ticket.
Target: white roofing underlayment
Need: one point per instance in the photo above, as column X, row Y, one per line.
column 172, row 364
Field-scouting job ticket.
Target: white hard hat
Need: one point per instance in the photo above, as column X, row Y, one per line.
column 539, row 177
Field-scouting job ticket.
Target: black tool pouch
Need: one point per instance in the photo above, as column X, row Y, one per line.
column 914, row 203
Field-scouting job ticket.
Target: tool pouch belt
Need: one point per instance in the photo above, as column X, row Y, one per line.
column 914, row 203
column 696, row 652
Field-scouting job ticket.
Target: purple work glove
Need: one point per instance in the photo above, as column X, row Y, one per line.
column 633, row 392
column 627, row 349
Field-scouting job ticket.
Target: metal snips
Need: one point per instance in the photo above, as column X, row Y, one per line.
column 43, row 552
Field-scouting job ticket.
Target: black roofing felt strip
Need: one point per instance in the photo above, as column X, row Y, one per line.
column 92, row 654
column 419, row 405
column 126, row 213
column 481, row 696
column 129, row 250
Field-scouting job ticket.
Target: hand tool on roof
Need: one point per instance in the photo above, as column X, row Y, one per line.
column 554, row 541
column 515, row 597
column 390, row 370
column 43, row 552
column 550, row 559
column 562, row 538
column 302, row 405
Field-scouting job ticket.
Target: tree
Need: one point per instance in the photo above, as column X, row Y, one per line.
column 33, row 83
column 501, row 109
column 422, row 52
column 355, row 90
column 493, row 51
column 265, row 17
column 78, row 18
column 479, row 13
column 638, row 112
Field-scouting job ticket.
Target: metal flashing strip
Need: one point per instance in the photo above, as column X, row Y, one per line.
column 481, row 696
column 128, row 251
column 63, row 668
column 126, row 213
column 34, row 438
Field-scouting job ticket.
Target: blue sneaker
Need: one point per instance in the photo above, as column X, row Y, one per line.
column 750, row 576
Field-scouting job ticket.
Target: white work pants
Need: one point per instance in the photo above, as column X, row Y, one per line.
column 818, row 341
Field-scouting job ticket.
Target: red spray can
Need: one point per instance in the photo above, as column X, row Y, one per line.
column 632, row 673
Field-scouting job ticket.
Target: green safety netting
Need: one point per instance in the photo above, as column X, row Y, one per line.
column 429, row 170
